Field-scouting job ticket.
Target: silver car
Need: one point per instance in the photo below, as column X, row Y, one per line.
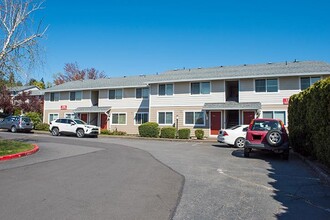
column 16, row 123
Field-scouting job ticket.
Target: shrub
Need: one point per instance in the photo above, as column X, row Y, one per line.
column 199, row 133
column 167, row 132
column 42, row 127
column 116, row 132
column 184, row 133
column 105, row 131
column 35, row 117
column 149, row 129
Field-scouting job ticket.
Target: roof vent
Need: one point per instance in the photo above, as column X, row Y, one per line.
column 244, row 65
column 199, row 68
column 124, row 76
column 142, row 75
column 270, row 63
column 296, row 61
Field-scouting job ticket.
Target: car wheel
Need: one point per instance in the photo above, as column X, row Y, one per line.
column 240, row 142
column 247, row 152
column 274, row 138
column 55, row 132
column 13, row 129
column 80, row 133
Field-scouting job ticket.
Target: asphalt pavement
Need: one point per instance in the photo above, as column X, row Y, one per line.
column 118, row 178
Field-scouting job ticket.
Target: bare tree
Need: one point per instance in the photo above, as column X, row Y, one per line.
column 19, row 34
column 72, row 72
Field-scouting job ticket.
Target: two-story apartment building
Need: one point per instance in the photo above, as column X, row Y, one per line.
column 207, row 98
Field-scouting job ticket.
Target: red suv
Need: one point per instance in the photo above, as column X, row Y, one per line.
column 267, row 134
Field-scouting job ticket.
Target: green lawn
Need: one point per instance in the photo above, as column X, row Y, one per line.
column 8, row 147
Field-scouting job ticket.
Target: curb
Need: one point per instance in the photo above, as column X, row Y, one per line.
column 22, row 154
column 323, row 175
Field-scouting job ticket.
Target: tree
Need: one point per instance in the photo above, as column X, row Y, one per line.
column 18, row 35
column 27, row 103
column 72, row 72
column 6, row 104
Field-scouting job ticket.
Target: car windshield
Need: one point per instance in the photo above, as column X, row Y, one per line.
column 80, row 122
column 234, row 127
column 265, row 125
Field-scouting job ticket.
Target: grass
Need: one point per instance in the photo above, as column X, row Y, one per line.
column 8, row 147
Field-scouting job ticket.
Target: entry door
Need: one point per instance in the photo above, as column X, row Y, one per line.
column 104, row 121
column 83, row 117
column 248, row 117
column 215, row 122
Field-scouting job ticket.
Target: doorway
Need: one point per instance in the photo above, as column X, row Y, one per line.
column 215, row 122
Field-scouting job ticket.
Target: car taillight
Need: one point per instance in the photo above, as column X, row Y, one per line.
column 225, row 133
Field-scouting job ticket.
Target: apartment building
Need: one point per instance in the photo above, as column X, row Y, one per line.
column 206, row 98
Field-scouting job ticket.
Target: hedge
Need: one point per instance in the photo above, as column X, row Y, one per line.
column 184, row 133
column 168, row 132
column 42, row 127
column 309, row 121
column 149, row 129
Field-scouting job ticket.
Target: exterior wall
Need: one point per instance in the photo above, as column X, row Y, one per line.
column 287, row 86
column 65, row 100
column 130, row 127
column 182, row 96
column 128, row 100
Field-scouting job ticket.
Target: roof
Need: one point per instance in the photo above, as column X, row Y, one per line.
column 21, row 88
column 199, row 74
column 232, row 106
column 92, row 109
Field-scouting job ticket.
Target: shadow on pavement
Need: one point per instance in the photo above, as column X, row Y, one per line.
column 296, row 187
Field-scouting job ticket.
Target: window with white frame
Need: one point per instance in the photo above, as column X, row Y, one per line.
column 165, row 118
column 281, row 115
column 115, row 94
column 69, row 115
column 200, row 88
column 118, row 118
column 165, row 89
column 195, row 118
column 75, row 96
column 306, row 82
column 266, row 85
column 52, row 116
column 54, row 96
column 141, row 117
column 142, row 93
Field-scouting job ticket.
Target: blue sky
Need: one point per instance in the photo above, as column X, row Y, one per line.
column 145, row 37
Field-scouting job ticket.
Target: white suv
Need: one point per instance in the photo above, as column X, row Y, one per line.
column 73, row 126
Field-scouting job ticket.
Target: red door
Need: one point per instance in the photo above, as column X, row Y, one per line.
column 83, row 117
column 215, row 122
column 248, row 117
column 104, row 121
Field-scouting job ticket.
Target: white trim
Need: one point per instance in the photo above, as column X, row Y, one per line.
column 194, row 111
column 139, row 113
column 165, row 111
column 118, row 117
column 51, row 113
column 165, row 89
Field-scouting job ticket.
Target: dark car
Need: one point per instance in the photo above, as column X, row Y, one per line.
column 16, row 123
column 267, row 134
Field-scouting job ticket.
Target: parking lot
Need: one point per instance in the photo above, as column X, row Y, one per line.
column 217, row 181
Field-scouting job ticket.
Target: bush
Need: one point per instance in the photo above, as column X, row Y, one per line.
column 42, row 127
column 114, row 132
column 167, row 132
column 184, row 133
column 35, row 117
column 149, row 129
column 309, row 116
column 105, row 131
column 199, row 133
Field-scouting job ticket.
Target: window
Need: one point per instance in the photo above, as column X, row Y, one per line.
column 165, row 89
column 115, row 94
column 141, row 117
column 200, row 88
column 119, row 118
column 54, row 96
column 195, row 118
column 52, row 117
column 306, row 82
column 266, row 85
column 165, row 118
column 275, row 114
column 69, row 115
column 75, row 96
column 142, row 93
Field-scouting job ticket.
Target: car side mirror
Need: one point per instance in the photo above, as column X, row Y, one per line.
column 245, row 129
column 72, row 123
